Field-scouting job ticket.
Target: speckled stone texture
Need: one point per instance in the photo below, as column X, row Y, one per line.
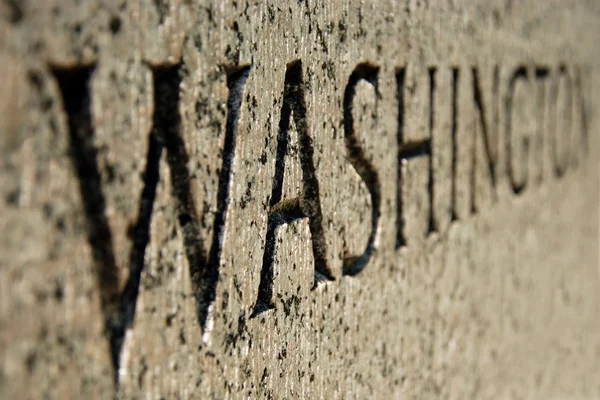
column 299, row 199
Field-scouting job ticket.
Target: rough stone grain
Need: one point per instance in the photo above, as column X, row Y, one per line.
column 490, row 289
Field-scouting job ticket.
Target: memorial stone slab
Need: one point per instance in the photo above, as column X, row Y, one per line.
column 299, row 199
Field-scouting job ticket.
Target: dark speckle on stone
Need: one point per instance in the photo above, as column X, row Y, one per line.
column 15, row 11
column 115, row 25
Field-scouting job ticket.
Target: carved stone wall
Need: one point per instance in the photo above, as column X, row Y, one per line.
column 290, row 199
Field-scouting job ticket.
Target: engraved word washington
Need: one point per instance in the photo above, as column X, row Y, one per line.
column 557, row 90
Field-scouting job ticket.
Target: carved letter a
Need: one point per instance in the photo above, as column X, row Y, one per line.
column 308, row 205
